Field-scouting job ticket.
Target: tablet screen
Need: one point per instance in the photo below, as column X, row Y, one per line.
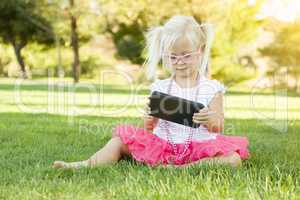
column 174, row 109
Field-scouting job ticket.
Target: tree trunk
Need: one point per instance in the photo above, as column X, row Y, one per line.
column 18, row 48
column 75, row 46
column 296, row 83
column 1, row 67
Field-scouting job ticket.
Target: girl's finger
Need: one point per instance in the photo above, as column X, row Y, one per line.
column 149, row 127
column 204, row 109
column 146, row 115
column 199, row 114
column 149, row 117
column 201, row 118
column 147, row 110
column 205, row 114
column 200, row 121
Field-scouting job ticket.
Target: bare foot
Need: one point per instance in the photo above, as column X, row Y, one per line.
column 59, row 164
column 232, row 159
column 70, row 165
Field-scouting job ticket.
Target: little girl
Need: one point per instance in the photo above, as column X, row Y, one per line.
column 183, row 46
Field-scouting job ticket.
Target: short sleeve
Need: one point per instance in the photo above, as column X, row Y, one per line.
column 160, row 85
column 154, row 86
column 220, row 87
column 211, row 89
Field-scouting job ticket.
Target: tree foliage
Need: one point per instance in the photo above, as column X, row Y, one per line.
column 34, row 21
column 236, row 22
column 285, row 51
column 20, row 24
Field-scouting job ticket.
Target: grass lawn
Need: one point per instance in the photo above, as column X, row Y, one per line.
column 40, row 124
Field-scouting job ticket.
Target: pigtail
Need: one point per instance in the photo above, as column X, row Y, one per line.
column 209, row 32
column 154, row 48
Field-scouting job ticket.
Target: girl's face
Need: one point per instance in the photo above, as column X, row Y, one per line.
column 183, row 58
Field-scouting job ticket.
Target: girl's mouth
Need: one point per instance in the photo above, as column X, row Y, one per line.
column 181, row 68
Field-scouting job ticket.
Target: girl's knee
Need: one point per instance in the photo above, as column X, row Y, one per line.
column 123, row 147
column 116, row 140
column 113, row 133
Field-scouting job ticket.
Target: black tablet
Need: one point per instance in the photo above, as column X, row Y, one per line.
column 174, row 109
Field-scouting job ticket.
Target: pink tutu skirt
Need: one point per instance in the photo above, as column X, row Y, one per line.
column 152, row 150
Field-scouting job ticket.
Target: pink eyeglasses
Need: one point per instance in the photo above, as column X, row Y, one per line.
column 186, row 58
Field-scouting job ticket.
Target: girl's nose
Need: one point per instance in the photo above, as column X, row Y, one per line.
column 179, row 62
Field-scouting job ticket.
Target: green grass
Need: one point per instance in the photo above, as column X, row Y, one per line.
column 46, row 128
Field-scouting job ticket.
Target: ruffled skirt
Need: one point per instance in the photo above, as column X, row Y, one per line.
column 152, row 150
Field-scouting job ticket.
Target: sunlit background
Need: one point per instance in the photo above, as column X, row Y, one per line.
column 283, row 10
column 255, row 40
column 70, row 70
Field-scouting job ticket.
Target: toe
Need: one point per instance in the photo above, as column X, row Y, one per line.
column 58, row 164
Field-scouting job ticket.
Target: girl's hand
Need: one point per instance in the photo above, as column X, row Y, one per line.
column 212, row 117
column 203, row 116
column 149, row 121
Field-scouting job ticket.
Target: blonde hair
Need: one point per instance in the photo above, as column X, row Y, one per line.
column 159, row 39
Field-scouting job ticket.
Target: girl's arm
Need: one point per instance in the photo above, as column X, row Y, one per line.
column 216, row 121
column 213, row 116
column 149, row 121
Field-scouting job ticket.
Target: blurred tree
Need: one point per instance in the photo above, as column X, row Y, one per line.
column 126, row 23
column 1, row 67
column 236, row 23
column 21, row 23
column 74, row 43
column 237, row 26
column 285, row 51
column 79, row 14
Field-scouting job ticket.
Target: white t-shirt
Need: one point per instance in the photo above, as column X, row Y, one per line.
column 207, row 90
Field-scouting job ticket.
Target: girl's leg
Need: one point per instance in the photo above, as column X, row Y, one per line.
column 232, row 159
column 109, row 154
